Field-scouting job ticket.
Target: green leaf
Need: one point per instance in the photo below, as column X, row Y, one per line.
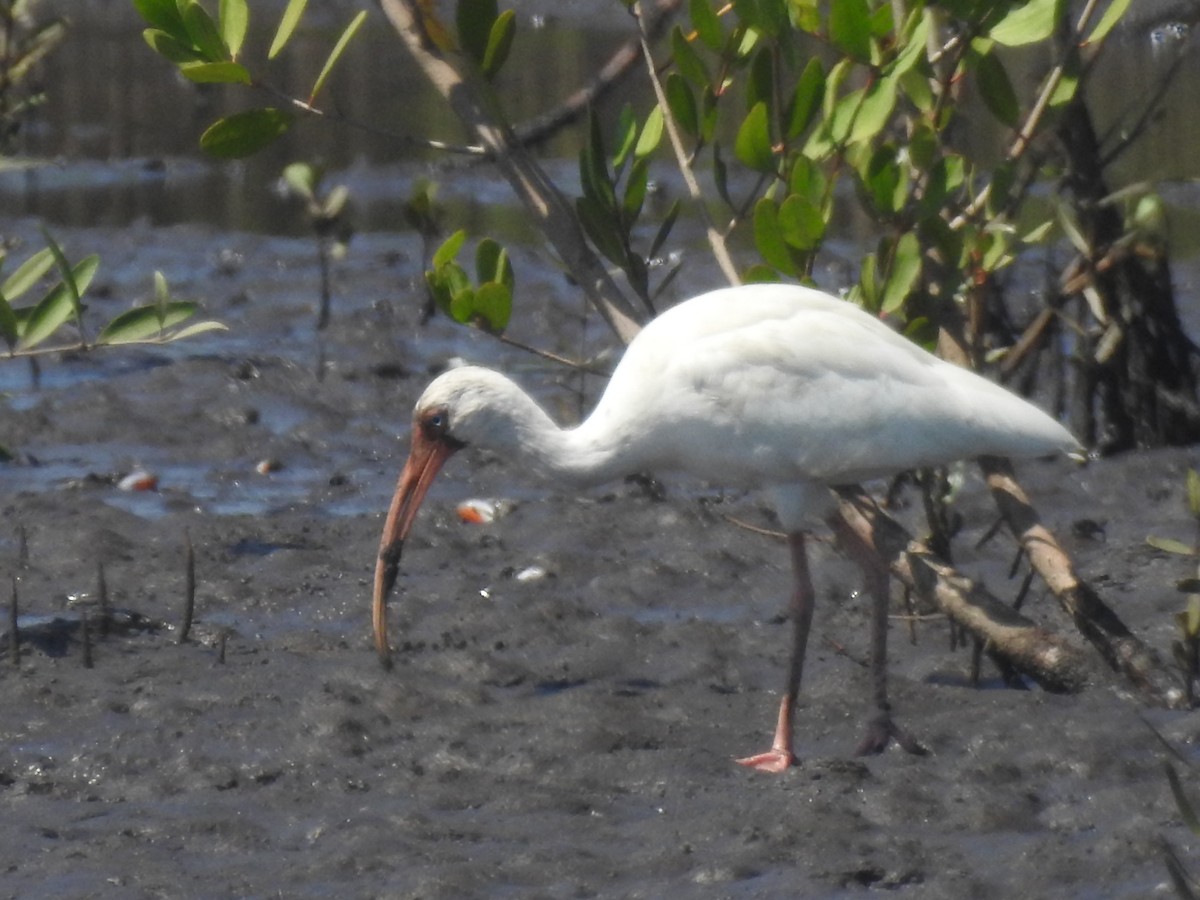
column 302, row 178
column 336, row 54
column 651, row 135
column 753, row 143
column 245, row 133
column 163, row 15
column 687, row 60
column 491, row 263
column 760, row 274
column 996, row 89
column 707, row 24
column 868, row 282
column 721, row 175
column 768, row 237
column 75, row 279
column 1027, row 23
column 760, row 81
column 682, row 104
column 203, row 31
column 602, row 228
column 28, row 274
column 162, row 294
column 1193, row 492
column 850, row 28
column 1170, row 545
column 215, row 73
column 625, row 137
column 449, row 249
column 805, row 100
column 914, row 46
column 876, row 109
column 287, row 24
column 1111, row 17
column 51, row 313
column 9, row 329
column 807, row 180
column 144, row 323
column 594, row 176
column 886, row 180
column 474, row 20
column 493, row 304
column 1067, row 85
column 170, row 48
column 234, row 17
column 905, row 271
column 500, row 40
column 192, row 330
column 635, row 191
column 664, row 230
column 801, row 223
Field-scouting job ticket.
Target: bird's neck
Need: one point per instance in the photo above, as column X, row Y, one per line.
column 588, row 454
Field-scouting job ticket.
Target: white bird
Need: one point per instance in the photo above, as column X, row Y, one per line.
column 778, row 387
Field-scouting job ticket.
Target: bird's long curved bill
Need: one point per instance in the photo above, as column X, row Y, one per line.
column 424, row 461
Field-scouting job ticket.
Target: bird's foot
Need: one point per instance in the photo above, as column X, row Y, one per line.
column 881, row 731
column 774, row 760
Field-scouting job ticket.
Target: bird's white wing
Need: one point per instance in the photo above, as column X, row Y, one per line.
column 817, row 391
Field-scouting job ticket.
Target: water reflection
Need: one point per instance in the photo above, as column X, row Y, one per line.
column 121, row 128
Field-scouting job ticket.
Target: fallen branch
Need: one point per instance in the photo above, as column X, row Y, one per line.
column 1121, row 649
column 1047, row 658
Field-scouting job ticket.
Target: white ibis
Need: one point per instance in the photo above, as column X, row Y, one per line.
column 762, row 386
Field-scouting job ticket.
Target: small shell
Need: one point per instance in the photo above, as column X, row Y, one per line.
column 139, row 480
column 530, row 573
column 267, row 466
column 480, row 512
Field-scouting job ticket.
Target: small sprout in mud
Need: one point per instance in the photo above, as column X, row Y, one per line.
column 326, row 213
column 102, row 599
column 26, row 329
column 85, row 635
column 189, row 590
column 1185, row 886
column 14, row 635
column 139, row 480
column 1187, row 649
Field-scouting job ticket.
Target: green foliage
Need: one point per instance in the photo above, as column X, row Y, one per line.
column 26, row 329
column 487, row 303
column 614, row 193
column 789, row 104
column 206, row 51
column 745, row 88
column 25, row 40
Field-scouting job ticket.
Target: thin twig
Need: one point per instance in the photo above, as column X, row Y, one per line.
column 189, row 595
column 14, row 634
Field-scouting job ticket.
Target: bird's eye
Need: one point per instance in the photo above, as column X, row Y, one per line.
column 435, row 423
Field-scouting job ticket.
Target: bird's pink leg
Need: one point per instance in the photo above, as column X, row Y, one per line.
column 881, row 730
column 780, row 756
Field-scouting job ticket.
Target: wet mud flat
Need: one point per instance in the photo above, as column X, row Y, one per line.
column 572, row 680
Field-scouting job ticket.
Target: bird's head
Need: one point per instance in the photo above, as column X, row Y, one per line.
column 463, row 406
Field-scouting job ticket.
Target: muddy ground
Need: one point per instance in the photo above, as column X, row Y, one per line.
column 569, row 735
